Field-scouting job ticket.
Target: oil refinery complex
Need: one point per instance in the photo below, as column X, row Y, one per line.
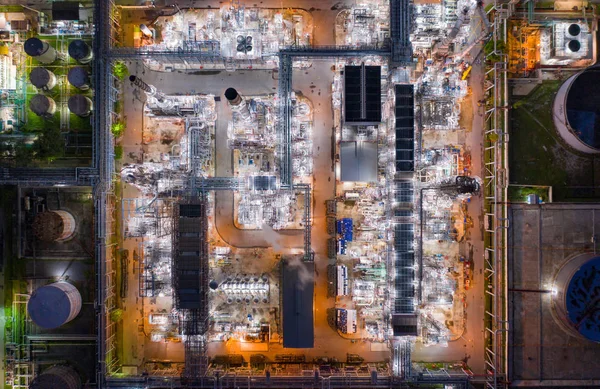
column 263, row 195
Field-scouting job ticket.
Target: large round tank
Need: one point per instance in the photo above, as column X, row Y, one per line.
column 54, row 226
column 79, row 78
column 80, row 105
column 63, row 377
column 576, row 292
column 42, row 78
column 53, row 305
column 80, row 51
column 42, row 105
column 40, row 50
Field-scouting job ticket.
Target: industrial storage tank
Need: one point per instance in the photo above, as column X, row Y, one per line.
column 575, row 296
column 40, row 50
column 79, row 78
column 54, row 226
column 63, row 377
column 80, row 51
column 53, row 305
column 42, row 78
column 43, row 106
column 80, row 105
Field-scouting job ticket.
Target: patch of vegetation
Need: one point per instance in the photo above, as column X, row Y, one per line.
column 118, row 152
column 537, row 154
column 520, row 193
column 117, row 129
column 120, row 70
column 489, row 48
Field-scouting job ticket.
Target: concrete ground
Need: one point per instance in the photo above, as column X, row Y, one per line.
column 541, row 240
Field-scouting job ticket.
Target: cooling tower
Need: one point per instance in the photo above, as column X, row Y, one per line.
column 54, row 226
column 80, row 51
column 42, row 105
column 63, row 377
column 80, row 105
column 40, row 50
column 79, row 78
column 575, row 296
column 42, row 78
column 53, row 305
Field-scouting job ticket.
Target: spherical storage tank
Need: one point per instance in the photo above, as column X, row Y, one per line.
column 54, row 226
column 80, row 105
column 80, row 51
column 63, row 377
column 79, row 78
column 40, row 50
column 42, row 105
column 42, row 78
column 53, row 305
column 575, row 297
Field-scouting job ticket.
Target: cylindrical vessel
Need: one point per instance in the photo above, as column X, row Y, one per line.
column 54, row 226
column 237, row 104
column 63, row 377
column 573, row 46
column 80, row 51
column 80, row 105
column 575, row 298
column 79, row 78
column 40, row 50
column 43, row 106
column 42, row 78
column 53, row 305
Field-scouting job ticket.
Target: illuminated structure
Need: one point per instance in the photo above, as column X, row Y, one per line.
column 54, row 305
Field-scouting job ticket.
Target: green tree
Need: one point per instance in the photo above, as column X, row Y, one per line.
column 118, row 152
column 117, row 129
column 116, row 315
column 120, row 70
column 49, row 145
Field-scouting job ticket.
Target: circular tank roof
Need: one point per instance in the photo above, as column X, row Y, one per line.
column 78, row 76
column 34, row 47
column 79, row 105
column 48, row 226
column 574, row 45
column 39, row 77
column 78, row 49
column 574, row 29
column 582, row 107
column 39, row 104
column 49, row 307
column 582, row 296
column 230, row 94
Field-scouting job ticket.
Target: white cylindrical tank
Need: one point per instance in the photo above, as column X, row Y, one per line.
column 40, row 50
column 80, row 51
column 80, row 105
column 63, row 377
column 79, row 78
column 42, row 78
column 43, row 106
column 54, row 226
column 53, row 305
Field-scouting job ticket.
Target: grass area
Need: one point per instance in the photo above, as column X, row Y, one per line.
column 520, row 193
column 538, row 155
column 11, row 8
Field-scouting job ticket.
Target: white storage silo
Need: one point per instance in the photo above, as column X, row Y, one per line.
column 53, row 305
column 63, row 377
column 80, row 105
column 79, row 78
column 43, row 106
column 80, row 51
column 42, row 78
column 54, row 226
column 40, row 50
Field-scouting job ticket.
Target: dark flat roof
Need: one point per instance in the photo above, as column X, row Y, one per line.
column 362, row 94
column 298, row 291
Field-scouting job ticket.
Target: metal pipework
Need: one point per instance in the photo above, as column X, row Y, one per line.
column 238, row 104
column 151, row 91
